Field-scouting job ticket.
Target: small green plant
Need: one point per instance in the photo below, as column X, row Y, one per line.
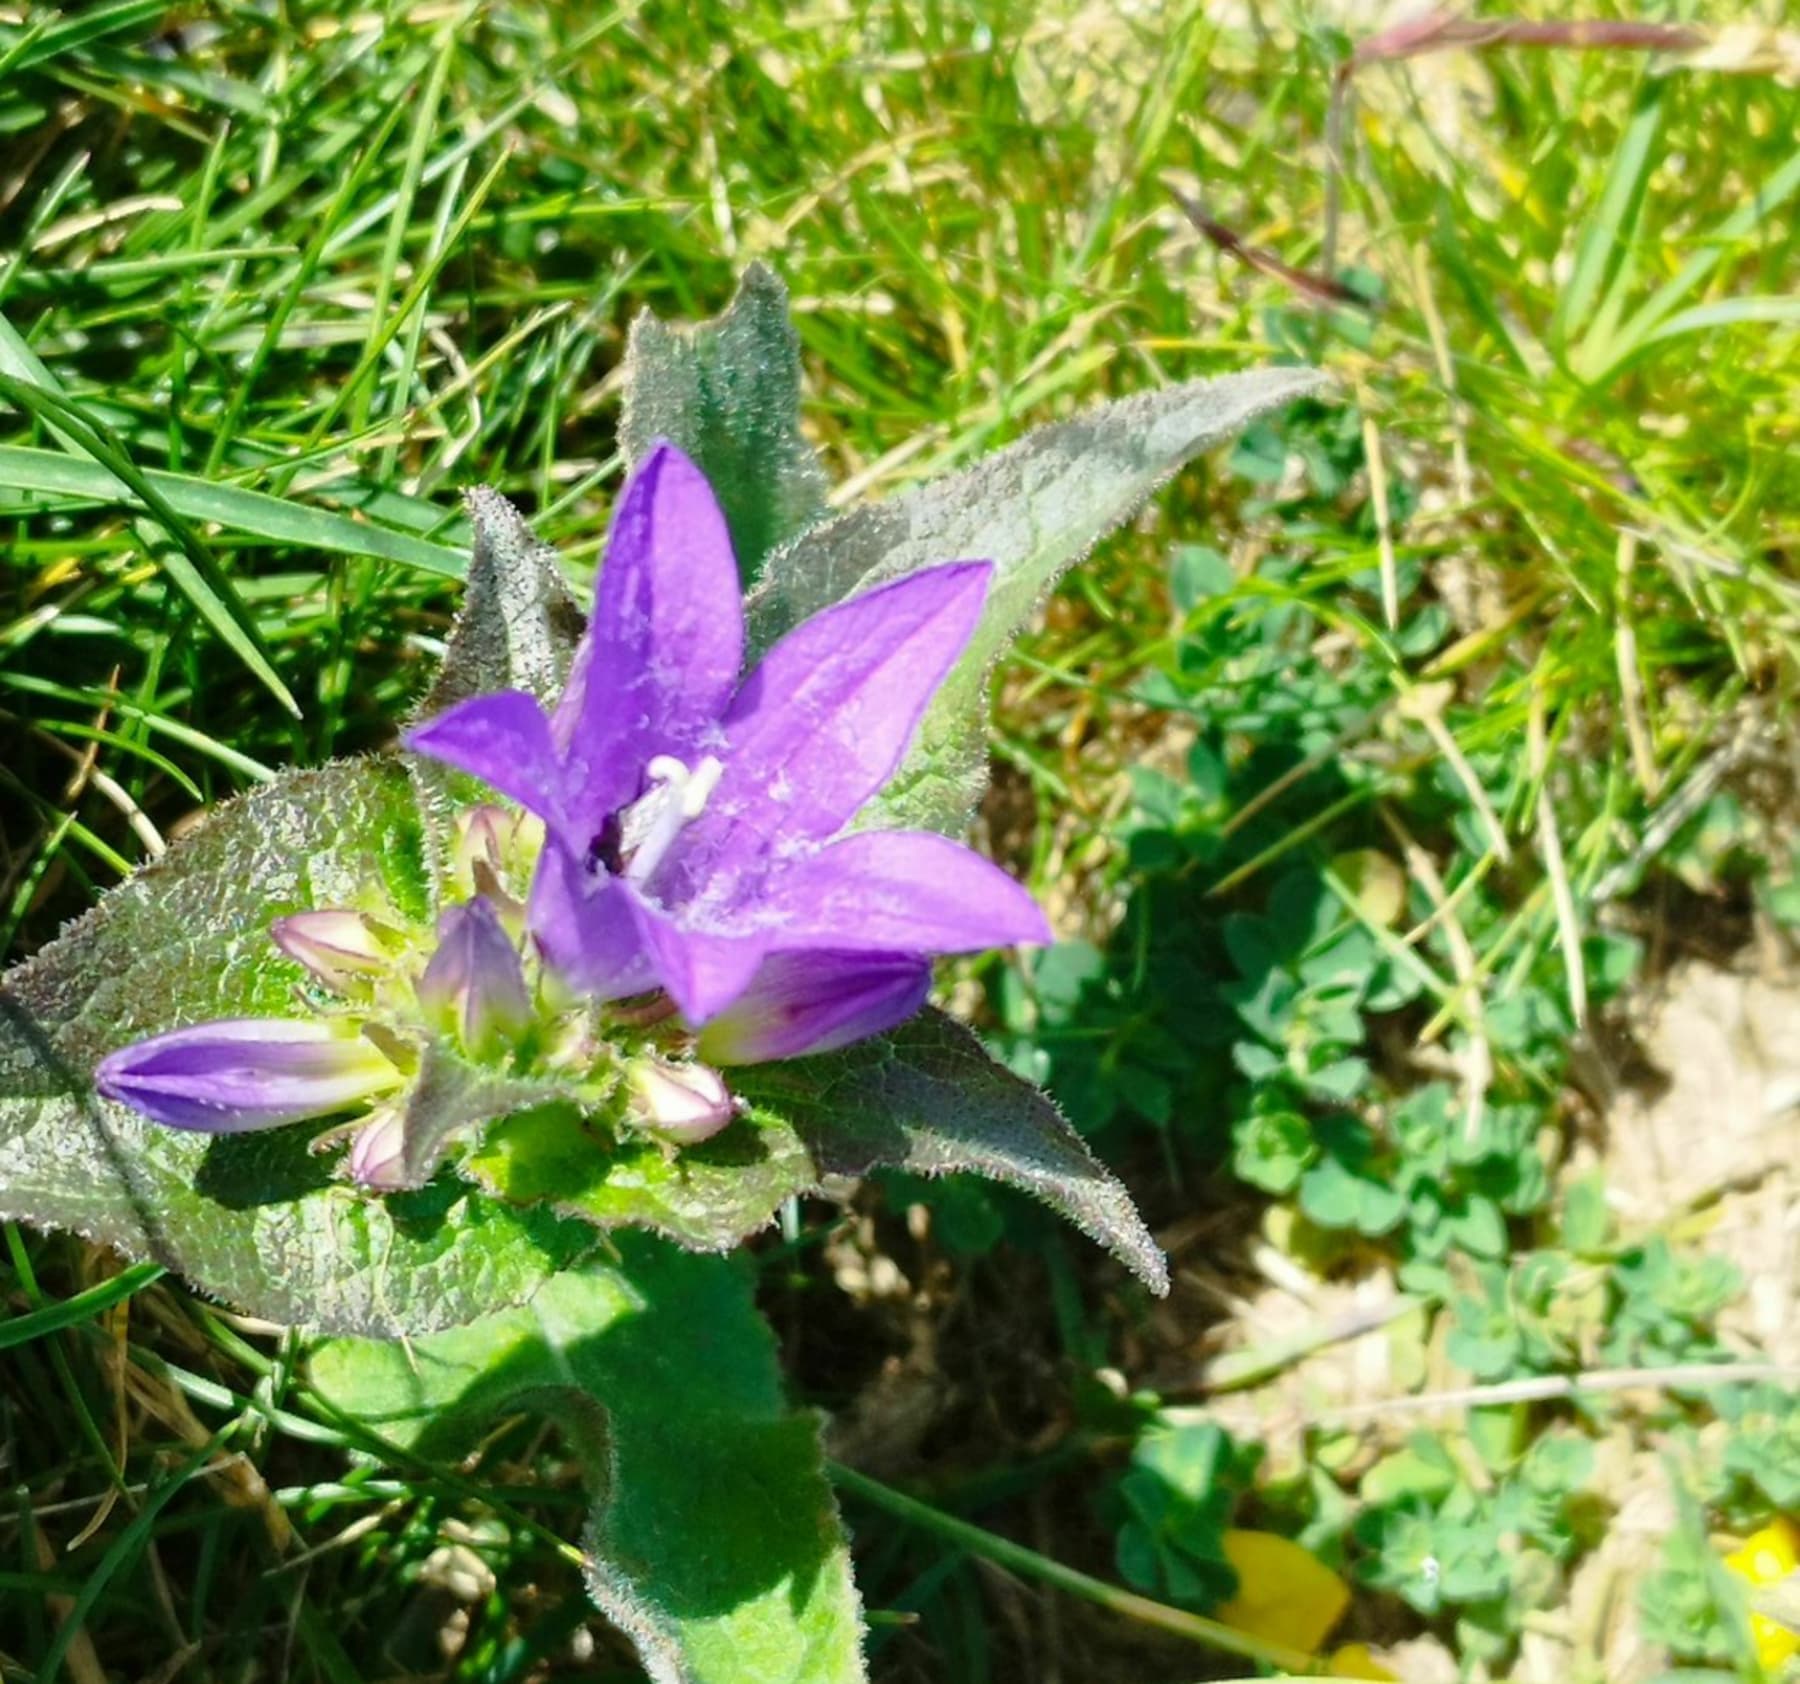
column 1484, row 1551
column 1178, row 1495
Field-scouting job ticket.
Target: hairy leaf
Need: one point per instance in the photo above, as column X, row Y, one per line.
column 714, row 1542
column 255, row 1218
column 707, row 1196
column 925, row 1097
column 518, row 624
column 450, row 1096
column 1032, row 509
column 728, row 393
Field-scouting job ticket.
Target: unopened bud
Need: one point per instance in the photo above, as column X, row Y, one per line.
column 683, row 1103
column 378, row 1150
column 335, row 945
column 474, row 984
column 237, row 1074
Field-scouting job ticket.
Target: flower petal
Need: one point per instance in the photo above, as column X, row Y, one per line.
column 503, row 739
column 583, row 925
column 703, row 970
column 664, row 649
column 244, row 1073
column 822, row 723
column 901, row 891
column 812, row 1002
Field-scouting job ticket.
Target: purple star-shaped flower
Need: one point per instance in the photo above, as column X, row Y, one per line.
column 695, row 816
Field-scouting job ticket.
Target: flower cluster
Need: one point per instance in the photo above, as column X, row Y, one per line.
column 696, row 898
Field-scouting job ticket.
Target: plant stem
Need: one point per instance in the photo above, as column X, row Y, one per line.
column 992, row 1547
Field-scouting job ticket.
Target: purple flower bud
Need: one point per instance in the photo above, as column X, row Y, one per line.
column 683, row 1103
column 335, row 945
column 474, row 984
column 803, row 1003
column 378, row 1150
column 245, row 1073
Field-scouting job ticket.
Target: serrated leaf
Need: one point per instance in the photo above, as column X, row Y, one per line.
column 518, row 624
column 715, row 1545
column 1032, row 509
column 253, row 1219
column 924, row 1097
column 728, row 393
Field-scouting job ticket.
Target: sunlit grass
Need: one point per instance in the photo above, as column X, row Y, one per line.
column 296, row 277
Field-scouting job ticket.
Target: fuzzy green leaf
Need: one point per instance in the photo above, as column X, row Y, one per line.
column 707, row 1196
column 728, row 393
column 254, row 1219
column 925, row 1097
column 518, row 624
column 448, row 1097
column 1033, row 510
column 714, row 1542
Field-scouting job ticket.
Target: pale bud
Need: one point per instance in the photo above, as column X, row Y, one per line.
column 378, row 1150
column 682, row 1103
column 481, row 837
column 337, row 946
column 493, row 846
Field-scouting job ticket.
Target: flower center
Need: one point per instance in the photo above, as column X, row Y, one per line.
column 636, row 839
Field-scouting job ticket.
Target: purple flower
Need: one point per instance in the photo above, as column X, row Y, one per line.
column 813, row 1002
column 474, row 984
column 695, row 817
column 237, row 1074
column 245, row 1073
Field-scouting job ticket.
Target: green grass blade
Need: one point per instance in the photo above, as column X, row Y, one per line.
column 1726, row 312
column 253, row 513
column 41, row 44
column 413, row 299
column 128, row 1543
column 393, row 247
column 1606, row 237
column 1715, row 247
column 191, row 564
column 84, row 1306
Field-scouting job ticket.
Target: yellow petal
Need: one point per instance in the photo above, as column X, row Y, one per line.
column 1284, row 1593
column 1767, row 1557
column 1775, row 1644
column 1353, row 1660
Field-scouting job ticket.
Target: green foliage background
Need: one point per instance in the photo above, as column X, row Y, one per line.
column 1506, row 623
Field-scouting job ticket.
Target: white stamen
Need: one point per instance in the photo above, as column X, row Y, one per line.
column 650, row 827
column 700, row 786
